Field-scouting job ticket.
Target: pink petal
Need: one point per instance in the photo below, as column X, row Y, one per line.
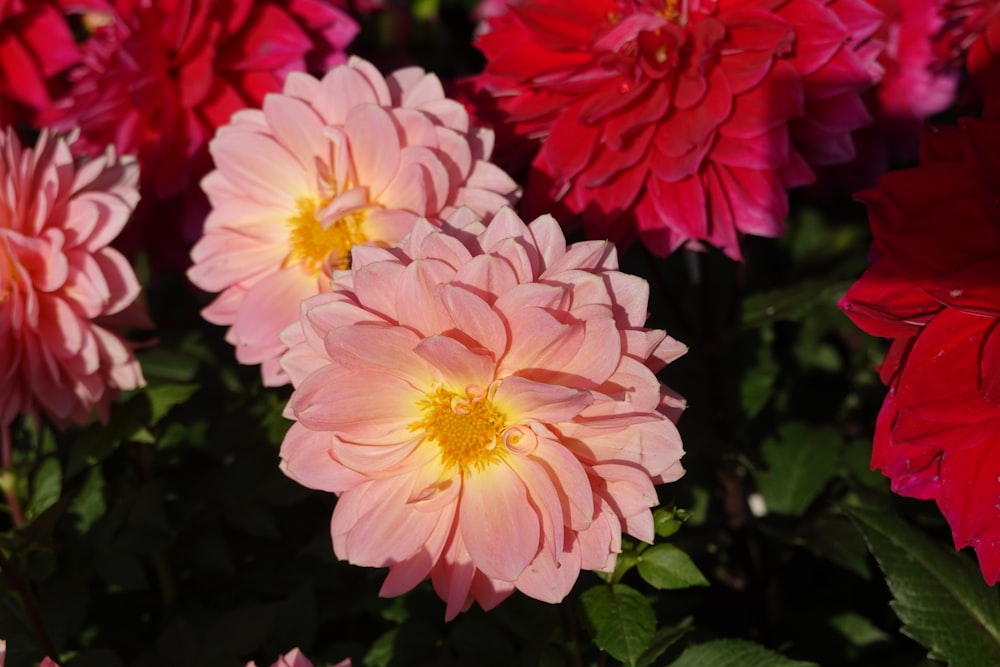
column 500, row 528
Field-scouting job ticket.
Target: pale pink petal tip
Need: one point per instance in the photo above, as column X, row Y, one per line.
column 483, row 401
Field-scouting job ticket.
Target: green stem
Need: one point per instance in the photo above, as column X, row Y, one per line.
column 9, row 481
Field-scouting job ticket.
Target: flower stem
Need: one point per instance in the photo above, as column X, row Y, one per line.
column 9, row 481
column 16, row 584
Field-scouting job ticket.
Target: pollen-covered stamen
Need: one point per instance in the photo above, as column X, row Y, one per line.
column 466, row 427
column 314, row 246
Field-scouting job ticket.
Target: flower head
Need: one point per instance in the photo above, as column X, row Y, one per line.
column 933, row 289
column 36, row 45
column 63, row 291
column 158, row 78
column 680, row 120
column 483, row 400
column 326, row 165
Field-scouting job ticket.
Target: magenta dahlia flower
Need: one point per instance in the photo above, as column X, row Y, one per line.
column 36, row 45
column 685, row 120
column 971, row 37
column 353, row 158
column 934, row 289
column 912, row 88
column 484, row 402
column 63, row 291
column 158, row 78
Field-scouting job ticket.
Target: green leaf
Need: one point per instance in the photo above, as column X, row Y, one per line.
column 668, row 520
column 622, row 621
column 46, row 487
column 381, row 651
column 89, row 505
column 790, row 303
column 836, row 539
column 800, row 462
column 664, row 639
column 857, row 630
column 938, row 594
column 425, row 9
column 733, row 653
column 757, row 386
column 164, row 397
column 664, row 566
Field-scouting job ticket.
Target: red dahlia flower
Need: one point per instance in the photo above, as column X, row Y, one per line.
column 36, row 45
column 159, row 77
column 934, row 288
column 681, row 120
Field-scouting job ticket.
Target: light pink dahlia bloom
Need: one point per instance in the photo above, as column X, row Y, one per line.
column 353, row 158
column 484, row 402
column 62, row 289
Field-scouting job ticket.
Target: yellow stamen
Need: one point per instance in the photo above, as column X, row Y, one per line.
column 672, row 10
column 314, row 246
column 466, row 428
column 95, row 20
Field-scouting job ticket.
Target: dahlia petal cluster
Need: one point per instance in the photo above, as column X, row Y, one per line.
column 36, row 45
column 911, row 89
column 680, row 121
column 354, row 158
column 483, row 400
column 934, row 288
column 63, row 292
column 158, row 78
column 971, row 37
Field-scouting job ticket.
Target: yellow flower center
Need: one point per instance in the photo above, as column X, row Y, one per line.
column 314, row 246
column 466, row 428
column 672, row 10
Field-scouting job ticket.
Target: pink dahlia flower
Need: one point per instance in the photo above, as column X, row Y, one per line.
column 913, row 87
column 294, row 658
column 158, row 78
column 484, row 402
column 934, row 289
column 353, row 158
column 63, row 291
column 36, row 45
column 685, row 120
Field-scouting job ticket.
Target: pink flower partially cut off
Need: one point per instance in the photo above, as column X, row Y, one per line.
column 46, row 662
column 64, row 294
column 483, row 399
column 354, row 158
column 294, row 658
